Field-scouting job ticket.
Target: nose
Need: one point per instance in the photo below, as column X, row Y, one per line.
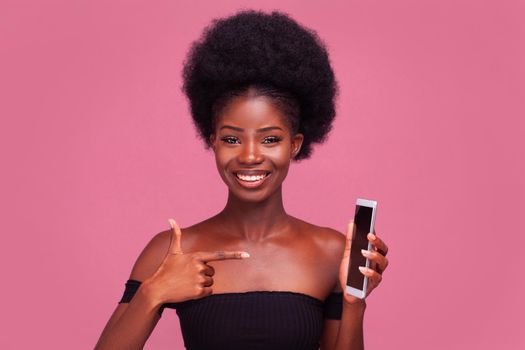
column 250, row 153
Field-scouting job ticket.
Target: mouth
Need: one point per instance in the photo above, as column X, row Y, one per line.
column 251, row 180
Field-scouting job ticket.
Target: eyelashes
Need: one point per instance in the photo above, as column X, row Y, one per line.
column 271, row 139
column 234, row 140
column 229, row 140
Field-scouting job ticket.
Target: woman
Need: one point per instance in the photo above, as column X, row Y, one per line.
column 262, row 92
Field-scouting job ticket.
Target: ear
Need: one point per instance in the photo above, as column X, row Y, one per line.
column 297, row 142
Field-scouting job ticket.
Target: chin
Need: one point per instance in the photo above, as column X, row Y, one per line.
column 249, row 197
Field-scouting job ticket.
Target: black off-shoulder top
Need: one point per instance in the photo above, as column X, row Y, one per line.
column 251, row 320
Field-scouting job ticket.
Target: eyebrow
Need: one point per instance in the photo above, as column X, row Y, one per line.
column 258, row 130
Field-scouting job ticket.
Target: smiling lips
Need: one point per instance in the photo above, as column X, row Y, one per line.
column 251, row 179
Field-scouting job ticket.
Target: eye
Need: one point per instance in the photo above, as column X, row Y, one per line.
column 271, row 139
column 230, row 140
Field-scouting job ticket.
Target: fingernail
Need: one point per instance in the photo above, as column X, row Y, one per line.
column 362, row 269
column 245, row 255
column 172, row 223
column 365, row 252
column 372, row 236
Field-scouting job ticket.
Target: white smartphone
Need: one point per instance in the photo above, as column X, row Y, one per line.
column 364, row 219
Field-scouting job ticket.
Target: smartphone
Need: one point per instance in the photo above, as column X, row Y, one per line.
column 364, row 218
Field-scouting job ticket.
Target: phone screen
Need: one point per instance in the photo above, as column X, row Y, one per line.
column 362, row 220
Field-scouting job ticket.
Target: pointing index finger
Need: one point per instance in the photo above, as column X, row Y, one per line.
column 175, row 246
column 222, row 255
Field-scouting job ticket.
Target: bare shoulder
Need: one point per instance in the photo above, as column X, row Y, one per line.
column 155, row 251
column 327, row 238
column 329, row 246
column 151, row 256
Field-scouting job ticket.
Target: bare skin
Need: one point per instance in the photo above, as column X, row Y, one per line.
column 286, row 253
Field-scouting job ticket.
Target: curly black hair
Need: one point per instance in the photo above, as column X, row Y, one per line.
column 271, row 54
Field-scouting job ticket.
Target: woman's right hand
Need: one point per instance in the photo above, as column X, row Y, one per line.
column 184, row 276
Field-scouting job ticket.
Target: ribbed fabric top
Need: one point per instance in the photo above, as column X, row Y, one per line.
column 251, row 320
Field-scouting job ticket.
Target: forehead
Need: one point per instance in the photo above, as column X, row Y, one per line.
column 251, row 113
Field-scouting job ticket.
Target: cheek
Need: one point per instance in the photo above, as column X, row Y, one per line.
column 221, row 164
column 221, row 159
column 279, row 156
column 225, row 160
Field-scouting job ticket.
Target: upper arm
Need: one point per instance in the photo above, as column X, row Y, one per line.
column 151, row 256
column 146, row 264
column 330, row 328
column 335, row 244
column 329, row 336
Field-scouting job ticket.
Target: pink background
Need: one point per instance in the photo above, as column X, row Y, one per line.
column 98, row 151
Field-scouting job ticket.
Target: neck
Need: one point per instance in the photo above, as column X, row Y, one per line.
column 254, row 221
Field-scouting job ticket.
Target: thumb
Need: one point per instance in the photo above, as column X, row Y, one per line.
column 175, row 245
column 349, row 236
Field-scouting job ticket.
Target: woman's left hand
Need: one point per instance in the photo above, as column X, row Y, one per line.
column 378, row 263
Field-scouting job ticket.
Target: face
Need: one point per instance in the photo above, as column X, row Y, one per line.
column 253, row 147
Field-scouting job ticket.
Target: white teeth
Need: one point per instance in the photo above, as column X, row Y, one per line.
column 251, row 178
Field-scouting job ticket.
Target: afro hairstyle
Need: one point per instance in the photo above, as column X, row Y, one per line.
column 270, row 52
